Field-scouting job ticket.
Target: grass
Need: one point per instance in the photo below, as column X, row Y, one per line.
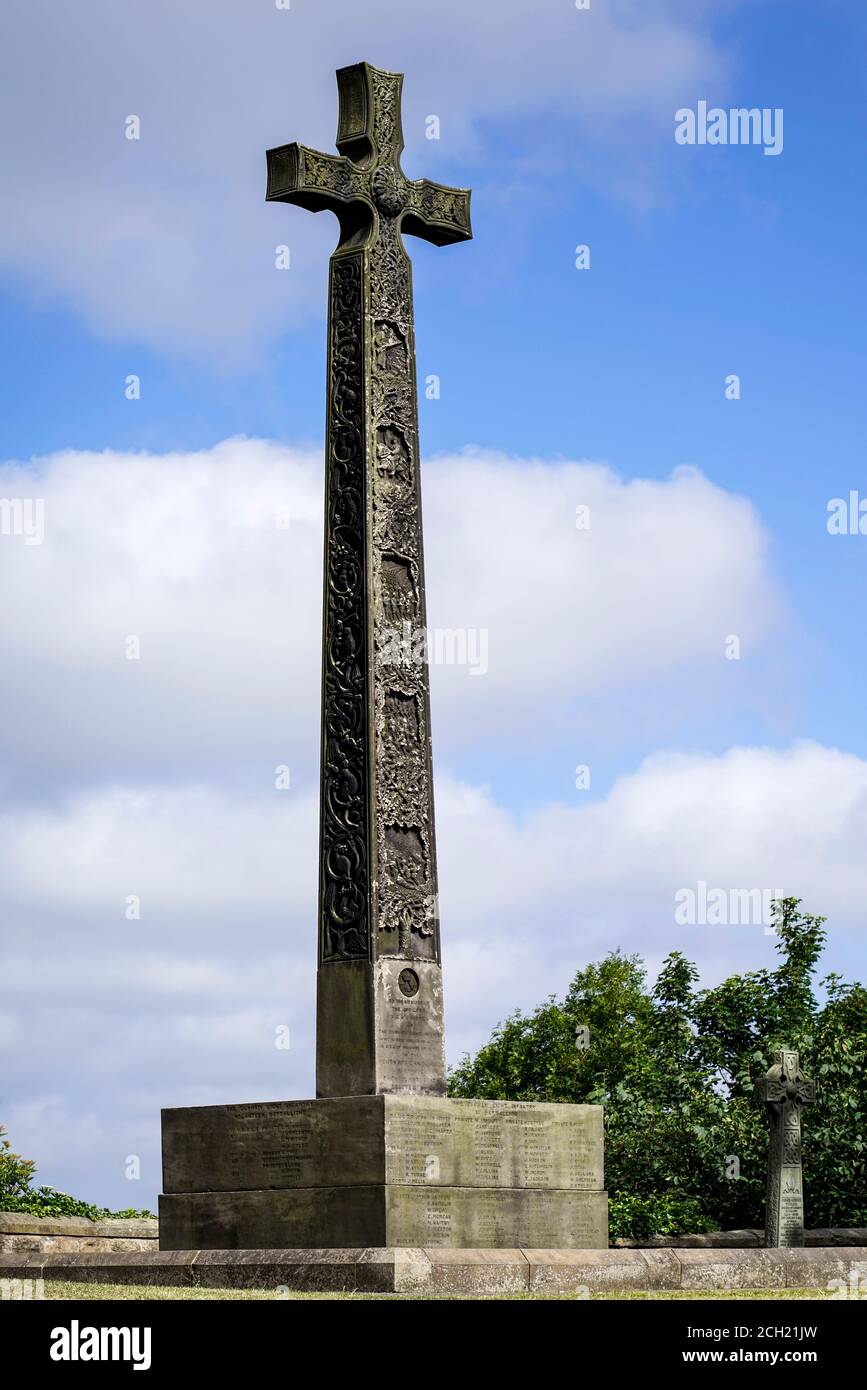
column 63, row 1289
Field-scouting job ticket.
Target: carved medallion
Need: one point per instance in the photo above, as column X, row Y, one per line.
column 388, row 192
column 407, row 983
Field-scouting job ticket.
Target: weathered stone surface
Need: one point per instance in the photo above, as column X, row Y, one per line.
column 299, row 1270
column 785, row 1091
column 379, row 988
column 38, row 1242
column 705, row 1240
column 316, row 1217
column 484, row 1143
column 302, row 1143
column 731, row 1269
column 164, row 1267
column 836, row 1235
column 20, row 1265
column 22, row 1223
column 495, row 1217
column 471, row 1272
column 408, row 1024
column 399, row 1270
column 743, row 1240
column 368, row 1140
column 477, row 1271
column 19, row 1231
column 384, row 1215
column 663, row 1269
column 345, row 1053
column 570, row 1270
column 843, row 1273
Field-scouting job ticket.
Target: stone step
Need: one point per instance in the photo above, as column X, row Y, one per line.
column 449, row 1271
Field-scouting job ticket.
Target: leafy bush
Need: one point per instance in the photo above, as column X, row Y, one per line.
column 47, row 1201
column 15, row 1172
column 686, row 1142
column 668, row 1215
column 17, row 1194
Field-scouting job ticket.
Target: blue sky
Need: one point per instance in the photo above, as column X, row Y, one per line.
column 740, row 263
column 156, row 258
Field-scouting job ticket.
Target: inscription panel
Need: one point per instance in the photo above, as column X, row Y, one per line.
column 328, row 1217
column 421, row 1141
column 487, row 1218
column 410, row 1056
column 791, row 1208
column 468, row 1143
column 277, row 1144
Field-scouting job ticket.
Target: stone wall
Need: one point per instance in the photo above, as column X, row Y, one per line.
column 39, row 1234
column 743, row 1240
column 47, row 1234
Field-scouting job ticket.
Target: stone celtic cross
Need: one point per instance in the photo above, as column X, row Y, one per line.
column 379, row 992
column 785, row 1091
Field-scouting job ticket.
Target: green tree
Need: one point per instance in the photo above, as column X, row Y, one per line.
column 15, row 1172
column 675, row 1067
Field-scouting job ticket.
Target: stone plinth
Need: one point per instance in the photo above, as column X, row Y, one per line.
column 383, row 1171
column 438, row 1271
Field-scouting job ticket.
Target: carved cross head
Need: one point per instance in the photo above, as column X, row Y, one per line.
column 785, row 1088
column 365, row 182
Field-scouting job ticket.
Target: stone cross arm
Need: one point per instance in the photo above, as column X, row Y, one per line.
column 774, row 1092
column 366, row 179
column 785, row 1085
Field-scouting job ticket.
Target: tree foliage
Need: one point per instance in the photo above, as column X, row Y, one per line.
column 15, row 1171
column 685, row 1140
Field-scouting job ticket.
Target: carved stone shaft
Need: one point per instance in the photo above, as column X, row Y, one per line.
column 379, row 991
column 785, row 1092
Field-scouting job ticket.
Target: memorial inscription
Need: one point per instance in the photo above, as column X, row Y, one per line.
column 383, row 1215
column 785, row 1091
column 363, row 1140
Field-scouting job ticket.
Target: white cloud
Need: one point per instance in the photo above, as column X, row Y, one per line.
column 569, row 881
column 167, row 239
column 665, row 573
column 184, row 553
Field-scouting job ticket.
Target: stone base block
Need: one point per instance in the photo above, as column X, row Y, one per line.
column 473, row 1217
column 389, row 1170
column 364, row 1140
